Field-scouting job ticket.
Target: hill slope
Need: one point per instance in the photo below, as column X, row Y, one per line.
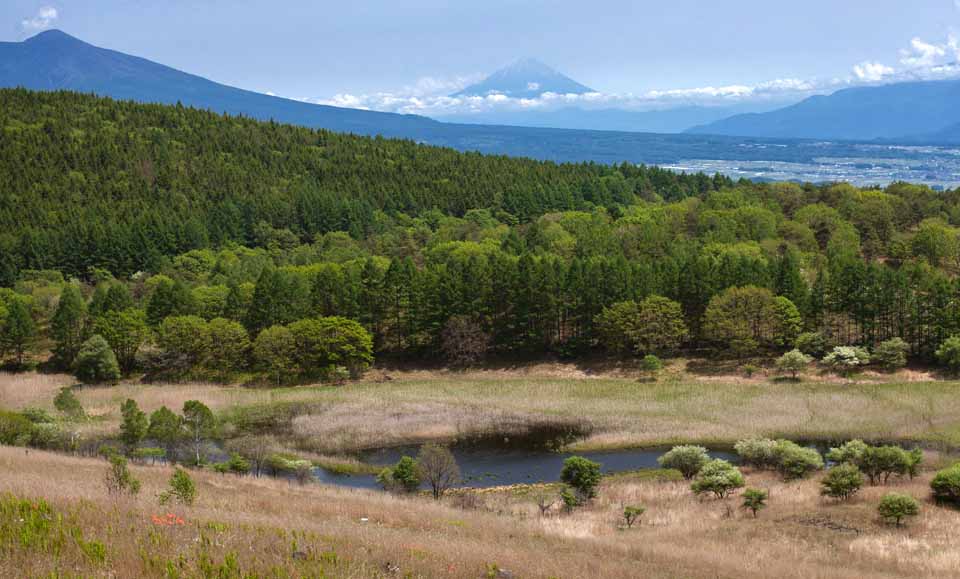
column 881, row 112
column 78, row 173
column 54, row 60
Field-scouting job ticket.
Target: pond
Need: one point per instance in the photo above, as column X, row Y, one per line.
column 488, row 464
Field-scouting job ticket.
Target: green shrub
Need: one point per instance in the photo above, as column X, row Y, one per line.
column 896, row 507
column 841, row 482
column 795, row 461
column 718, row 477
column 891, row 354
column 96, row 362
column 688, row 459
column 948, row 354
column 946, row 485
column 182, row 489
column 119, row 480
column 749, row 370
column 15, row 429
column 401, row 477
column 850, row 452
column 847, row 360
column 632, row 514
column 754, row 500
column 812, row 344
column 582, row 475
column 67, row 403
column 757, row 452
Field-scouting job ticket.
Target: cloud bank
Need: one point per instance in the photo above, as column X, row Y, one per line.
column 921, row 60
column 43, row 19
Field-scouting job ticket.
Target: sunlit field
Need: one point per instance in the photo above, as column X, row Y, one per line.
column 241, row 526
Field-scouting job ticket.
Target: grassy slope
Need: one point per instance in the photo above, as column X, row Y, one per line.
column 418, row 406
column 262, row 522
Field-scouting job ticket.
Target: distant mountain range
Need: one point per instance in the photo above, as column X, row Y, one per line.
column 55, row 60
column 525, row 78
column 926, row 111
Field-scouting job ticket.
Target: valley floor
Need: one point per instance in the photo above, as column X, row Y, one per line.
column 613, row 407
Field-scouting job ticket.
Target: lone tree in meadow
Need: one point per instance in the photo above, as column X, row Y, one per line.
column 688, row 459
column 718, row 477
column 438, row 468
column 896, row 507
column 793, row 362
column 754, row 500
column 582, row 475
column 632, row 514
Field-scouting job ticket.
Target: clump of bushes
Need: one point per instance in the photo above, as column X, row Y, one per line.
column 402, row 477
column 878, row 463
column 789, row 458
column 688, row 459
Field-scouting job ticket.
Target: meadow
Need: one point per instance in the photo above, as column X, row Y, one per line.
column 246, row 527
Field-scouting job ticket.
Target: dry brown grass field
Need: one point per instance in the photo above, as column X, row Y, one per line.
column 252, row 527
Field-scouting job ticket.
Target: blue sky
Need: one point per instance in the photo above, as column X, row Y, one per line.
column 393, row 55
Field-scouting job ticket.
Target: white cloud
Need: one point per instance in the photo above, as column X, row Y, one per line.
column 922, row 60
column 43, row 19
column 872, row 71
column 924, row 54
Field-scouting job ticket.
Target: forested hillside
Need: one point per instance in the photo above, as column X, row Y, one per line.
column 171, row 223
column 91, row 182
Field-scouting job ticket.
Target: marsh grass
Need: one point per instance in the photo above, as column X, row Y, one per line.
column 618, row 412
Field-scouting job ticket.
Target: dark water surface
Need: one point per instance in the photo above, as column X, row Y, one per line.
column 486, row 465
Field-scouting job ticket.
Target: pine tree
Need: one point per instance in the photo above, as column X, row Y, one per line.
column 19, row 331
column 69, row 325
